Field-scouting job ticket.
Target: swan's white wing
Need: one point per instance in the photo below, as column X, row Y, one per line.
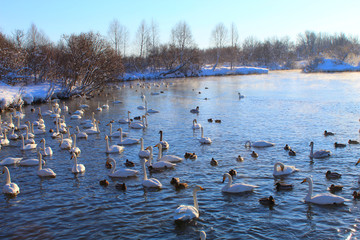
column 185, row 212
column 327, row 198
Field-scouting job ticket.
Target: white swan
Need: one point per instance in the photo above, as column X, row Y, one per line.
column 122, row 172
column 259, row 144
column 105, row 106
column 236, row 188
column 150, row 110
column 80, row 134
column 89, row 123
column 125, row 120
column 323, row 198
column 18, row 125
column 27, row 146
column 168, row 158
column 47, row 151
column 187, row 212
column 74, row 148
column 29, row 136
column 93, row 130
column 149, row 182
column 284, row 169
column 115, row 134
column 196, row 125
column 37, row 130
column 127, row 141
column 202, row 235
column 139, row 125
column 13, row 135
column 10, row 161
column 77, row 168
column 65, row 144
column 160, row 164
column 143, row 153
column 57, row 133
column 165, row 144
column 44, row 172
column 5, row 141
column 204, row 140
column 65, row 108
column 113, row 148
column 9, row 187
column 99, row 109
column 318, row 154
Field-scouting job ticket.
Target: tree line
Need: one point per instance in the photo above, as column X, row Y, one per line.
column 85, row 62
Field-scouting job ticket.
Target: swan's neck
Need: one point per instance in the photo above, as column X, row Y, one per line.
column 151, row 153
column 7, row 174
column 142, row 144
column 146, row 107
column 121, row 138
column 278, row 164
column 27, row 133
column 32, row 128
column 144, row 170
column 312, row 150
column 128, row 118
column 113, row 167
column 202, row 132
column 40, row 162
column 107, row 145
column 74, row 141
column 75, row 160
column 97, row 127
column 160, row 152
column 18, row 122
column 68, row 133
column 161, row 136
column 110, row 129
column 309, row 194
column 196, row 205
column 23, row 142
column 44, row 144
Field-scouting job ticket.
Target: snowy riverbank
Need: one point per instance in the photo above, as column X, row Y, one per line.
column 329, row 65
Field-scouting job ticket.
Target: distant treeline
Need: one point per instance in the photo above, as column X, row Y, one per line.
column 87, row 61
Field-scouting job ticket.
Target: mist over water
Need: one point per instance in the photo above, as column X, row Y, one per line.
column 283, row 107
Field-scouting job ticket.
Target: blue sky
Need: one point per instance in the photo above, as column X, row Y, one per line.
column 259, row 18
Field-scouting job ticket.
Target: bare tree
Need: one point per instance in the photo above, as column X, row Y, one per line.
column 142, row 38
column 18, row 38
column 114, row 33
column 234, row 38
column 181, row 38
column 219, row 38
column 124, row 39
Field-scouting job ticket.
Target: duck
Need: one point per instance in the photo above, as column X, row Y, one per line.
column 122, row 172
column 104, row 183
column 27, row 146
column 10, row 188
column 126, row 141
column 121, row 186
column 149, row 182
column 326, row 133
column 129, row 163
column 193, row 156
column 254, row 154
column 160, row 164
column 74, row 148
column 356, row 195
column 240, row 96
column 287, row 147
column 10, row 161
column 168, row 158
column 113, row 148
column 44, row 172
column 283, row 186
column 195, row 110
column 179, row 186
column 335, row 188
column 353, row 141
column 339, row 145
column 259, row 144
column 332, row 175
column 77, row 168
column 196, row 125
column 46, row 151
column 292, row 152
column 239, row 158
column 186, row 213
column 236, row 188
column 210, row 120
column 204, row 140
column 232, row 172
column 174, row 180
column 323, row 198
column 187, row 155
column 269, row 201
column 318, row 154
column 284, row 169
column 143, row 153
column 165, row 144
column 218, row 121
column 213, row 162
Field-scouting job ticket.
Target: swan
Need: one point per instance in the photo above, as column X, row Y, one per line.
column 236, row 188
column 75, row 116
column 125, row 120
column 122, row 172
column 65, row 108
column 143, row 153
column 79, row 112
column 93, row 130
column 259, row 144
column 80, row 134
column 284, row 169
column 9, row 187
column 5, row 141
column 44, row 172
column 202, row 235
column 196, row 125
column 29, row 136
column 65, row 143
column 115, row 134
column 318, row 154
column 168, row 158
column 47, row 151
column 18, row 125
column 139, row 125
column 165, row 144
column 113, row 148
column 187, row 212
column 74, row 148
column 27, row 146
column 160, row 164
column 37, row 130
column 150, row 110
column 323, row 198
column 149, row 182
column 77, row 168
column 10, row 161
column 99, row 109
column 57, row 133
column 88, row 123
column 105, row 106
column 195, row 110
column 13, row 135
column 126, row 141
column 204, row 140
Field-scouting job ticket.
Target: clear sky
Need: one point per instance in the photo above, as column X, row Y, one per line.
column 258, row 18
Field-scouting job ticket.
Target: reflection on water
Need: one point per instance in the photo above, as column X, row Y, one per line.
column 281, row 107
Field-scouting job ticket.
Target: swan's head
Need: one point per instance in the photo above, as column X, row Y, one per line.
column 108, row 124
column 106, row 137
column 225, row 176
column 311, row 144
column 150, row 148
column 357, row 162
column 198, row 188
column 73, row 155
column 308, row 179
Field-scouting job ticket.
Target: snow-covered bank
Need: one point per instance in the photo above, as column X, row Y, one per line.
column 329, row 65
column 204, row 72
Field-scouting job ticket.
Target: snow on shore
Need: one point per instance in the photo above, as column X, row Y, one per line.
column 330, row 65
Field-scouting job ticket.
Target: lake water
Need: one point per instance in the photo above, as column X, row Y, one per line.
column 283, row 107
